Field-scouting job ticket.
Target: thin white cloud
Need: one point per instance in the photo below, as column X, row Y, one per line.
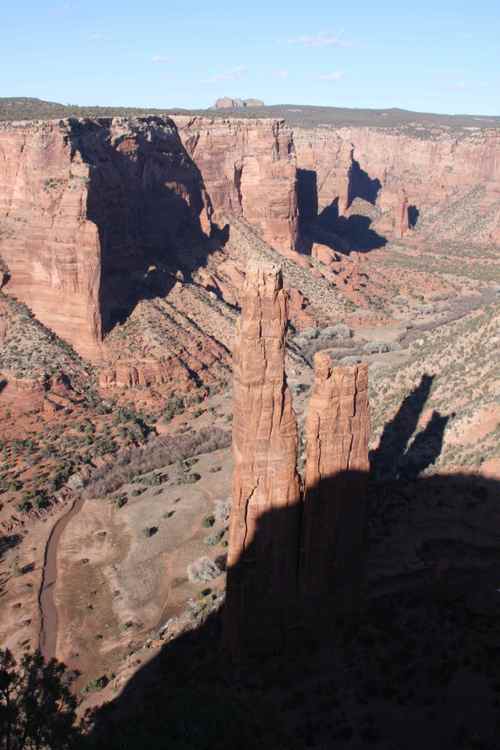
column 321, row 39
column 459, row 85
column 283, row 74
column 159, row 59
column 229, row 75
column 337, row 75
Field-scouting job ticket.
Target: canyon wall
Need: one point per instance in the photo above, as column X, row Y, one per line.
column 91, row 212
column 97, row 215
column 249, row 170
column 407, row 175
column 50, row 248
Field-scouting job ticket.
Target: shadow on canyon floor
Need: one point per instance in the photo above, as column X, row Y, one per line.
column 146, row 197
column 418, row 663
column 340, row 233
column 395, row 457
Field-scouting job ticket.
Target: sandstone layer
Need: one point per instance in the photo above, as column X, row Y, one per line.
column 249, row 169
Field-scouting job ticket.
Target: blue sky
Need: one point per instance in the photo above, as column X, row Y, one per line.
column 434, row 55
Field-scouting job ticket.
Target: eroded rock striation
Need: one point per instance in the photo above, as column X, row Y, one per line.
column 337, row 433
column 264, row 524
column 287, row 545
column 249, row 169
column 90, row 211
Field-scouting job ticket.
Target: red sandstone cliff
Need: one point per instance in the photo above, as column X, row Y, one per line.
column 249, row 169
column 96, row 215
column 89, row 210
column 407, row 174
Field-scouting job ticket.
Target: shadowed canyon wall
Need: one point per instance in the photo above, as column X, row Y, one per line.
column 287, row 545
column 96, row 215
column 406, row 174
column 89, row 213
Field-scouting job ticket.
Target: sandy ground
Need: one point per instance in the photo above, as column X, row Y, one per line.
column 116, row 586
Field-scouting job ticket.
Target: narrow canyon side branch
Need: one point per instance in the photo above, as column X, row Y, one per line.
column 337, row 434
column 265, row 515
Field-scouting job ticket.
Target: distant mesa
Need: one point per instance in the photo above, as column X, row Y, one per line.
column 226, row 102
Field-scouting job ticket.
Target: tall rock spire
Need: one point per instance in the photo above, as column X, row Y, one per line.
column 264, row 525
column 292, row 554
column 337, row 434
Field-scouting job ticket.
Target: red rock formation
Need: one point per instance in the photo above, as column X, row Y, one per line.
column 227, row 102
column 263, row 532
column 248, row 167
column 87, row 208
column 263, row 597
column 337, row 434
column 428, row 170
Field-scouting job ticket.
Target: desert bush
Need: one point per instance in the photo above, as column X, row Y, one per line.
column 376, row 347
column 175, row 405
column 25, row 506
column 154, row 480
column 222, row 510
column 189, row 478
column 120, row 501
column 215, row 538
column 99, row 683
column 203, row 570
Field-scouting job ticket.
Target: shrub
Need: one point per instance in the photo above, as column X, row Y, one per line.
column 189, row 478
column 25, row 506
column 215, row 538
column 208, row 522
column 222, row 510
column 41, row 502
column 99, row 683
column 203, row 570
column 120, row 501
column 174, row 406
